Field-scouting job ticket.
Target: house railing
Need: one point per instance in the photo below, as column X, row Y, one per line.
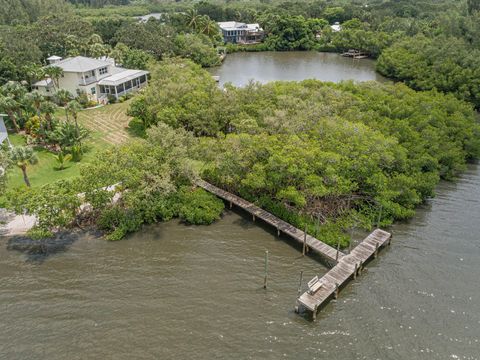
column 88, row 80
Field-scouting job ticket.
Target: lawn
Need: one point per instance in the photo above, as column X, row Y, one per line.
column 109, row 125
column 45, row 170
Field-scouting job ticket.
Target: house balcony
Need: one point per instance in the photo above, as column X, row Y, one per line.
column 88, row 80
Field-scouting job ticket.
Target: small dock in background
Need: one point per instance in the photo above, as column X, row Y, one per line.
column 320, row 290
column 355, row 54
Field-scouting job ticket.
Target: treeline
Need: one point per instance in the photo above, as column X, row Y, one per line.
column 446, row 64
column 130, row 42
column 27, row 11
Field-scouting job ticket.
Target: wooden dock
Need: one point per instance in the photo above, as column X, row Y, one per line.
column 348, row 267
column 320, row 291
column 326, row 251
column 355, row 54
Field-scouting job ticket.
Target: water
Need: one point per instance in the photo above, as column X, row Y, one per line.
column 240, row 68
column 173, row 291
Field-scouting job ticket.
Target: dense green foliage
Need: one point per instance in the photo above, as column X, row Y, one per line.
column 313, row 150
column 446, row 64
column 141, row 182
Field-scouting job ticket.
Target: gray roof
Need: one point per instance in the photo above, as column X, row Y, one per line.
column 81, row 64
column 122, row 76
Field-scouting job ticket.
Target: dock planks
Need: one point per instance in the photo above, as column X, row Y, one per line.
column 314, row 244
column 347, row 267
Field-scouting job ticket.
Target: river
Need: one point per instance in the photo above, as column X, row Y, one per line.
column 240, row 68
column 173, row 291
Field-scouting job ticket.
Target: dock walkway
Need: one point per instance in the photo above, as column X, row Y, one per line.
column 313, row 244
column 347, row 267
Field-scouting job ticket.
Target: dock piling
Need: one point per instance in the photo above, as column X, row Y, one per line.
column 265, row 280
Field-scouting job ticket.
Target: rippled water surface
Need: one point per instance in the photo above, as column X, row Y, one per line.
column 240, row 68
column 175, row 292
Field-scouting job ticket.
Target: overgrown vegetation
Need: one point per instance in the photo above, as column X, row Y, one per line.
column 317, row 152
column 325, row 156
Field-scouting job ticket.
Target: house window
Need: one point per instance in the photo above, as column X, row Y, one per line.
column 103, row 71
column 93, row 90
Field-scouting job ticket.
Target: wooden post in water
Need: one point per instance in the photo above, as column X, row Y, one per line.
column 300, row 285
column 304, row 251
column 350, row 242
column 338, row 249
column 266, row 270
column 376, row 250
column 253, row 217
column 355, row 272
column 335, row 294
column 231, row 204
column 379, row 216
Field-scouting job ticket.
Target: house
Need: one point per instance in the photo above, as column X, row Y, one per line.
column 145, row 18
column 3, row 131
column 241, row 33
column 98, row 78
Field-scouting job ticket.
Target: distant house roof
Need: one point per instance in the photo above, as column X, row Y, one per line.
column 44, row 83
column 233, row 25
column 336, row 27
column 81, row 64
column 122, row 76
column 145, row 18
column 54, row 57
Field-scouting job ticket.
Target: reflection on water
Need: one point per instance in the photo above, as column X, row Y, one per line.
column 240, row 68
column 173, row 291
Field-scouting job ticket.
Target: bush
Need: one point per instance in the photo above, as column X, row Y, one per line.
column 83, row 99
column 111, row 99
column 92, row 103
column 199, row 207
column 32, row 125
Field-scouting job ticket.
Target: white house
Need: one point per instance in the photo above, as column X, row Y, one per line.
column 97, row 78
column 241, row 33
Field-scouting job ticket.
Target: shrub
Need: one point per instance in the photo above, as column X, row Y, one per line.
column 111, row 99
column 83, row 99
column 199, row 207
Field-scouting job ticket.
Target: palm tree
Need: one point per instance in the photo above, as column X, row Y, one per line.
column 54, row 73
column 192, row 19
column 63, row 97
column 10, row 106
column 23, row 156
column 12, row 100
column 73, row 107
column 33, row 72
column 48, row 108
column 62, row 159
column 35, row 99
column 208, row 26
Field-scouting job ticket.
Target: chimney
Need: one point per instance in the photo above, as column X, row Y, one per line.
column 54, row 59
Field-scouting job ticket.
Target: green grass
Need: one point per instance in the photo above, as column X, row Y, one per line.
column 45, row 171
column 108, row 125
